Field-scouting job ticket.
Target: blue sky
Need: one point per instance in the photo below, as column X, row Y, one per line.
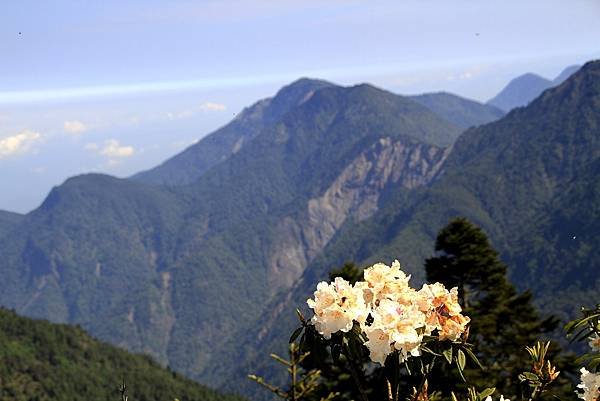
column 118, row 86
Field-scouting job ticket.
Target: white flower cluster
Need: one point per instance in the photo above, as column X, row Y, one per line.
column 590, row 384
column 489, row 398
column 393, row 315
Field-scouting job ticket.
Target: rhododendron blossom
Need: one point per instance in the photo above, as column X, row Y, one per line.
column 590, row 384
column 442, row 310
column 337, row 306
column 393, row 315
column 595, row 342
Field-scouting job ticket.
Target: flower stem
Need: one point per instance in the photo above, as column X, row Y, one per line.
column 390, row 394
column 354, row 373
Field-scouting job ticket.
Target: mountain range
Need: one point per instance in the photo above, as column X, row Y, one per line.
column 523, row 89
column 529, row 179
column 201, row 261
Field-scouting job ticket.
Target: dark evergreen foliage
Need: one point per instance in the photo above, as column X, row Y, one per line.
column 503, row 321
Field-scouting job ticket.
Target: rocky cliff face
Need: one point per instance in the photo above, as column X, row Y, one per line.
column 355, row 195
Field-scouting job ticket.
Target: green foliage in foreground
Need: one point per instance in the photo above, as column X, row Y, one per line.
column 44, row 361
column 491, row 354
column 538, row 381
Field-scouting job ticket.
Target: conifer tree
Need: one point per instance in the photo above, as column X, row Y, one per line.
column 503, row 321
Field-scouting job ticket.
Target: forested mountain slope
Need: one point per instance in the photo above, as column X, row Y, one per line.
column 44, row 361
column 7, row 221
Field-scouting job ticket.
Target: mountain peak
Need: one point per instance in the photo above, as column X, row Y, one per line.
column 305, row 82
column 565, row 74
column 194, row 161
column 520, row 91
column 591, row 66
column 580, row 90
column 293, row 95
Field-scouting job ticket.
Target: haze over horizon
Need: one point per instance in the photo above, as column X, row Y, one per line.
column 117, row 88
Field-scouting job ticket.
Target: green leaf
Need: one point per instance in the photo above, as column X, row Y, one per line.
column 530, row 376
column 582, row 359
column 461, row 373
column 569, row 326
column 594, row 363
column 578, row 323
column 448, row 355
column 295, row 334
column 487, row 392
column 474, row 358
column 461, row 359
column 429, row 350
column 581, row 334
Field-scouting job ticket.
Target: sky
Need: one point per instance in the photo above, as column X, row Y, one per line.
column 119, row 86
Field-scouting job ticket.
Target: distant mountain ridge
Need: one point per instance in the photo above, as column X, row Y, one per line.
column 187, row 166
column 565, row 74
column 462, row 112
column 523, row 89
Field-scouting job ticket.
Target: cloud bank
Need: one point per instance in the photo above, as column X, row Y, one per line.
column 208, row 106
column 74, row 127
column 18, row 144
column 111, row 149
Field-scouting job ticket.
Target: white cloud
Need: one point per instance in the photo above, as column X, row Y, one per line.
column 18, row 144
column 74, row 127
column 208, row 106
column 180, row 115
column 111, row 149
column 472, row 72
